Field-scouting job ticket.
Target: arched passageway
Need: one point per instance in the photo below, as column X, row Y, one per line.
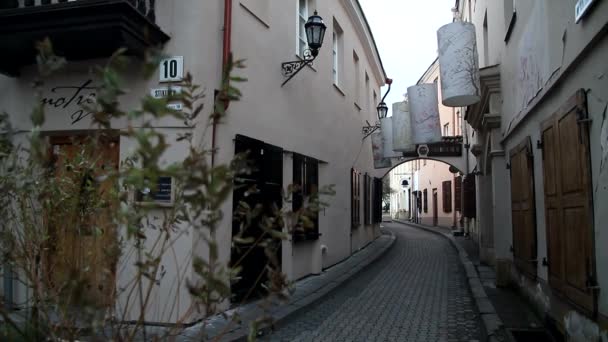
column 426, row 190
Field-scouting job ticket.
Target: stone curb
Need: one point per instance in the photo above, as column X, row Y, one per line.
column 493, row 326
column 308, row 291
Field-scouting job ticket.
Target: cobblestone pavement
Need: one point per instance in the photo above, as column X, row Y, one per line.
column 417, row 292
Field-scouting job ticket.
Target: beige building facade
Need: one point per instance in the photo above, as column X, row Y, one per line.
column 316, row 117
column 540, row 146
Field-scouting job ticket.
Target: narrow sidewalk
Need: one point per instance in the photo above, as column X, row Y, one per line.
column 504, row 312
column 235, row 324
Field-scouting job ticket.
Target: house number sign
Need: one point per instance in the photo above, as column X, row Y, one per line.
column 172, row 69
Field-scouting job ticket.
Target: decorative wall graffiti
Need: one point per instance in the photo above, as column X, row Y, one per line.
column 73, row 99
column 535, row 67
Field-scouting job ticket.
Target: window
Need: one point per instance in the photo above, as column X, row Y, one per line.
column 306, row 178
column 337, row 53
column 367, row 92
column 375, row 103
column 447, row 196
column 366, row 200
column 486, row 43
column 357, row 91
column 425, row 201
column 510, row 18
column 458, row 123
column 446, row 130
column 303, row 14
column 355, row 196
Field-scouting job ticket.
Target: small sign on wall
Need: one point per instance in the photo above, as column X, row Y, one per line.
column 160, row 193
column 159, row 93
column 172, row 69
column 176, row 106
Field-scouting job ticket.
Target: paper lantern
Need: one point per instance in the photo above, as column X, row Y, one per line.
column 386, row 128
column 402, row 128
column 424, row 112
column 378, row 152
column 458, row 64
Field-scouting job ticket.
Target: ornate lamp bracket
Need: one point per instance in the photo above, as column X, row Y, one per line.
column 290, row 69
column 369, row 129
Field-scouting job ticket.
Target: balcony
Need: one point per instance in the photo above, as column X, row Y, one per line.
column 79, row 29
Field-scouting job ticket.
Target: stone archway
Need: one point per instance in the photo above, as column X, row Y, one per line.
column 432, row 194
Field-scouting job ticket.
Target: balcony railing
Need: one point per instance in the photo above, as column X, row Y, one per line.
column 79, row 29
column 145, row 7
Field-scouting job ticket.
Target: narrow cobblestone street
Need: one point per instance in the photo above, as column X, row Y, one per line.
column 416, row 292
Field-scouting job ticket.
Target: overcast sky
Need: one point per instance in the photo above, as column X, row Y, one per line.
column 406, row 34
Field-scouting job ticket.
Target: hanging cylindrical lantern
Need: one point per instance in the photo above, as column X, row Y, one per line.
column 378, row 152
column 458, row 64
column 424, row 112
column 386, row 128
column 402, row 128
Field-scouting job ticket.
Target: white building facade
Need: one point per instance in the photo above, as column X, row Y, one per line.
column 314, row 119
column 539, row 137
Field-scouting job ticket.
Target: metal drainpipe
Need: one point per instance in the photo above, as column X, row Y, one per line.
column 226, row 50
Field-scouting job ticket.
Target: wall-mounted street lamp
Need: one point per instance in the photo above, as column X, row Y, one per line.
column 315, row 32
column 382, row 110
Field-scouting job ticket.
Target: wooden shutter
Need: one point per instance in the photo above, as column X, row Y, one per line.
column 523, row 210
column 469, row 209
column 355, row 199
column 447, row 196
column 458, row 194
column 568, row 203
column 366, row 200
column 426, row 200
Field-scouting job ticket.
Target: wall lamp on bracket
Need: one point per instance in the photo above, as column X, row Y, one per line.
column 382, row 111
column 315, row 32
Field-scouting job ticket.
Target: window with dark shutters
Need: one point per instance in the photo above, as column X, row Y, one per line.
column 355, row 192
column 447, row 196
column 569, row 204
column 377, row 200
column 305, row 196
column 366, row 200
column 425, row 200
column 458, row 194
column 523, row 210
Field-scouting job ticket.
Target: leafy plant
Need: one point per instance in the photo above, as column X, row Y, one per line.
column 74, row 219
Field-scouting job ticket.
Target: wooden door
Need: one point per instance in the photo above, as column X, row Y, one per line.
column 568, row 203
column 523, row 208
column 83, row 250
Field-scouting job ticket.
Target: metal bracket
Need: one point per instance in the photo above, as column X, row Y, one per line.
column 369, row 129
column 290, row 69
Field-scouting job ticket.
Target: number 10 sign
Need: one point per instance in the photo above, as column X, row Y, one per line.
column 172, row 69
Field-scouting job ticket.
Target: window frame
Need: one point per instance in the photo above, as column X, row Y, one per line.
column 425, row 201
column 355, row 193
column 447, row 196
column 307, row 170
column 300, row 30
